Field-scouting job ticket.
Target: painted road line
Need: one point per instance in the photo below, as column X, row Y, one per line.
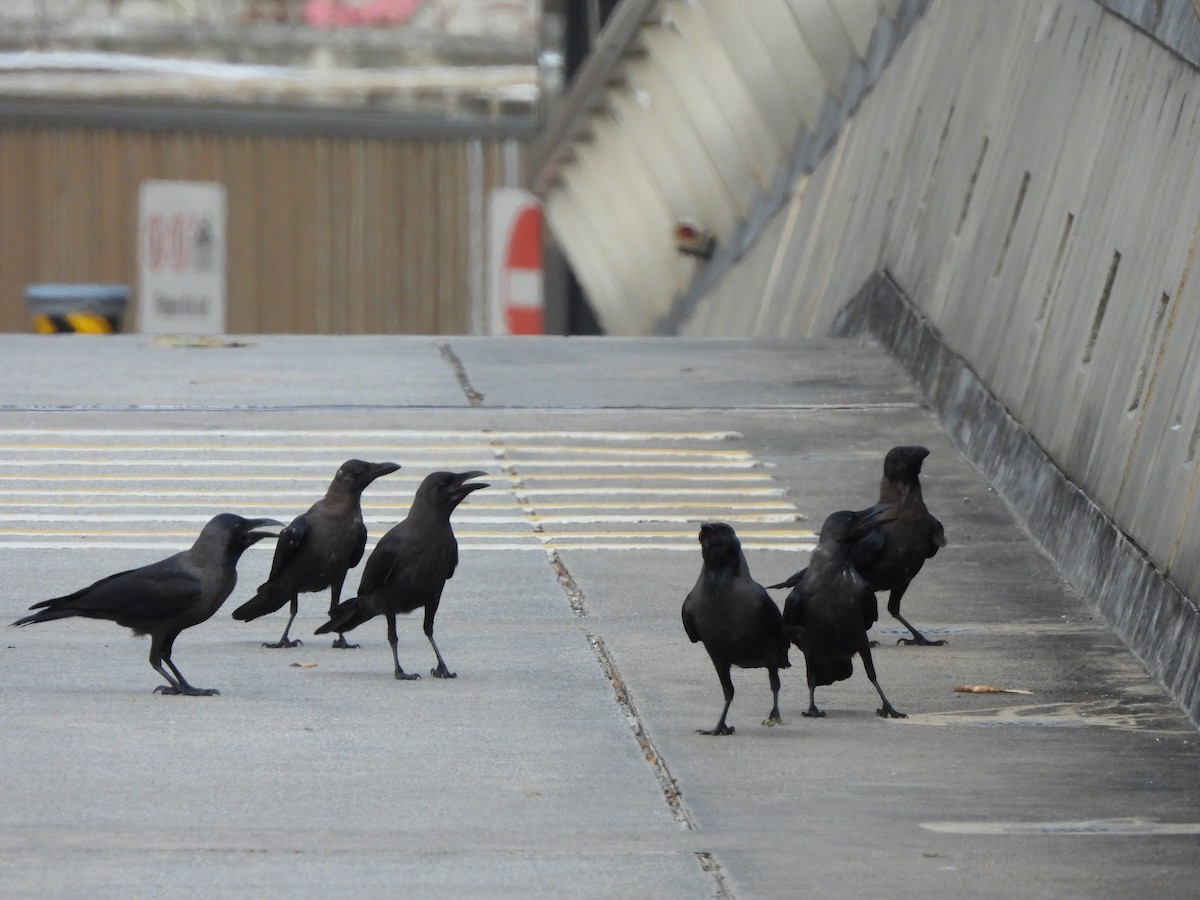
column 358, row 436
column 555, row 490
column 564, row 449
column 726, row 478
column 1079, row 828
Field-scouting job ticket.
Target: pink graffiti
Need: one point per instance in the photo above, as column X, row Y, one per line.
column 340, row 14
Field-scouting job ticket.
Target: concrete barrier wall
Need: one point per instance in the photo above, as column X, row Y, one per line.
column 1026, row 174
column 709, row 112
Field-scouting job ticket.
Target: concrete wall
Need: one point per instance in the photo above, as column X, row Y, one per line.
column 1025, row 174
column 704, row 119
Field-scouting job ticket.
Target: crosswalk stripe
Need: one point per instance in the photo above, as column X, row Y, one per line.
column 551, row 490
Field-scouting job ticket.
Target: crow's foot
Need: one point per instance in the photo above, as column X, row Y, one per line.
column 773, row 720
column 342, row 644
column 442, row 672
column 407, row 676
column 919, row 640
column 813, row 713
column 890, row 712
column 283, row 644
column 721, row 729
column 188, row 690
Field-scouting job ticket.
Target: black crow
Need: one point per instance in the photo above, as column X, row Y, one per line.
column 732, row 615
column 831, row 607
column 165, row 597
column 317, row 549
column 410, row 565
column 890, row 556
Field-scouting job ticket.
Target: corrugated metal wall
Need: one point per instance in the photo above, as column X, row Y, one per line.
column 325, row 234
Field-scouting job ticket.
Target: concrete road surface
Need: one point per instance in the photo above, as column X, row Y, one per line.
column 564, row 760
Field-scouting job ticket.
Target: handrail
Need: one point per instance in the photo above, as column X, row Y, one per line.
column 619, row 32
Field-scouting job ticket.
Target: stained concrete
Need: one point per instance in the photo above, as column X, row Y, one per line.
column 563, row 760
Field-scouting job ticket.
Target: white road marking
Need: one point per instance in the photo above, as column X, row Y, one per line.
column 1082, row 827
column 152, row 489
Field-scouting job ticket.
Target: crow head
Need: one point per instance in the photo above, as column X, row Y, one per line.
column 904, row 463
column 356, row 474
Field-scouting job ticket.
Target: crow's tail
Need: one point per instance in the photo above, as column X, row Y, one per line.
column 345, row 616
column 268, row 599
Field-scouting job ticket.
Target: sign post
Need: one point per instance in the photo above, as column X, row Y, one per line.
column 181, row 257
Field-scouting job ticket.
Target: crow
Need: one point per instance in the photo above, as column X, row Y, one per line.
column 733, row 616
column 831, row 607
column 317, row 549
column 890, row 556
column 163, row 598
column 410, row 566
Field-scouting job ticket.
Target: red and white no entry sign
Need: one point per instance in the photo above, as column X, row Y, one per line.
column 515, row 263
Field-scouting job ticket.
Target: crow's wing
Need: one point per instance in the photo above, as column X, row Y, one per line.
column 937, row 539
column 867, row 549
column 359, row 546
column 689, row 621
column 291, row 539
column 157, row 591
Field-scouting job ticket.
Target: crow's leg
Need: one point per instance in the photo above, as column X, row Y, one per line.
column 887, row 711
column 285, row 642
column 917, row 639
column 160, row 652
column 727, row 688
column 812, row 712
column 401, row 675
column 773, row 718
column 335, row 595
column 441, row 671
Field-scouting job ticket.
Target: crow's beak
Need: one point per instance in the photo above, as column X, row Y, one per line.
column 253, row 536
column 385, row 468
column 461, row 488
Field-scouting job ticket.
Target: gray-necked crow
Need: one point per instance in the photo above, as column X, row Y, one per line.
column 410, row 566
column 317, row 549
column 165, row 597
column 889, row 557
column 831, row 607
column 732, row 615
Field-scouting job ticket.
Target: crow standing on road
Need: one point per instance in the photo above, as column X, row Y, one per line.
column 410, row 565
column 890, row 557
column 164, row 598
column 735, row 619
column 317, row 549
column 831, row 607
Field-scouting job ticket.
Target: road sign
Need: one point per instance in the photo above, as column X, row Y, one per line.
column 515, row 263
column 181, row 257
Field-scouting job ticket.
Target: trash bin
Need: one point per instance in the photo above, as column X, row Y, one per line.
column 83, row 308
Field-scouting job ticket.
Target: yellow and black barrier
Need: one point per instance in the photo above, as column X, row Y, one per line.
column 77, row 308
column 78, row 322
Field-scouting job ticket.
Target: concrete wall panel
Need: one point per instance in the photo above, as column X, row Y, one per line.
column 1025, row 172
